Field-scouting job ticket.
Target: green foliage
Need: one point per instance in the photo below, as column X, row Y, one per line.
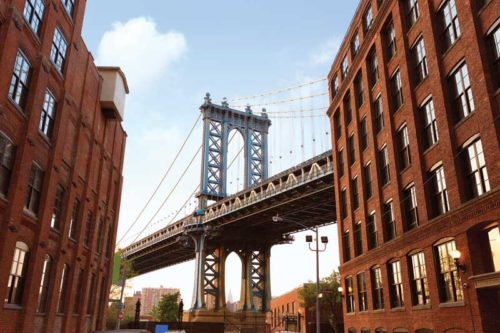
column 167, row 309
column 331, row 300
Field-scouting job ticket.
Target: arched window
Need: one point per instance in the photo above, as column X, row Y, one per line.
column 62, row 289
column 351, row 330
column 380, row 330
column 400, row 330
column 424, row 330
column 44, row 284
column 15, row 284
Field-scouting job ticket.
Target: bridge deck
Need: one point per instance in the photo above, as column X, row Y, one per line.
column 302, row 194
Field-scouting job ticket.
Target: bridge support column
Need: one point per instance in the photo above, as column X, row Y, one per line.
column 246, row 280
column 199, row 238
column 256, row 280
column 214, row 275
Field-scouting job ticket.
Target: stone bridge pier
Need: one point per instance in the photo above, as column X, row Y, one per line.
column 209, row 293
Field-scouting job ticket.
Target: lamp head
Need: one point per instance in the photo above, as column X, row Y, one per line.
column 340, row 290
column 324, row 239
column 309, row 238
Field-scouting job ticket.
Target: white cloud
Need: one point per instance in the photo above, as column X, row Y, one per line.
column 144, row 53
column 326, row 52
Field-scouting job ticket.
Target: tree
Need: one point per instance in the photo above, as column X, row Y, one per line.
column 167, row 309
column 330, row 302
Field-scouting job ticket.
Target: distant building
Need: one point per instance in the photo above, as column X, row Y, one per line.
column 152, row 296
column 287, row 314
column 62, row 148
column 232, row 305
column 414, row 111
column 130, row 304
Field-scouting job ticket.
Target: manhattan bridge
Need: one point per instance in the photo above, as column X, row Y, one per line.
column 244, row 222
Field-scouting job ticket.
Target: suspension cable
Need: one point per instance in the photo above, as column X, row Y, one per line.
column 170, row 193
column 284, row 101
column 277, row 91
column 162, row 180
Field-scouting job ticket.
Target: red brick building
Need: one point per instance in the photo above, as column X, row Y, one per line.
column 61, row 157
column 287, row 314
column 415, row 98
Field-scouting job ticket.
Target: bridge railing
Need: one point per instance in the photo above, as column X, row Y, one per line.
column 297, row 176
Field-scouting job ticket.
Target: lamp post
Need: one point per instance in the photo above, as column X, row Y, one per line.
column 309, row 240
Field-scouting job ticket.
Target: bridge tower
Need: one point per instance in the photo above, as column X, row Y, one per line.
column 218, row 122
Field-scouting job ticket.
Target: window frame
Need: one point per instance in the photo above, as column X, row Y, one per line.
column 44, row 284
column 411, row 207
column 33, row 14
column 461, row 91
column 428, row 112
column 450, row 25
column 396, row 85
column 7, row 161
column 34, row 189
column 20, row 80
column 418, row 279
column 420, row 60
column 17, row 275
column 396, row 284
column 48, row 115
column 449, row 281
column 362, row 292
column 59, row 50
column 384, row 167
column 404, row 147
column 377, row 288
column 477, row 172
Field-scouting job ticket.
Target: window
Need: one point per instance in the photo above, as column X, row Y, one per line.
column 7, row 157
column 100, row 235
column 341, row 163
column 335, row 85
column 58, row 51
column 383, row 158
column 379, row 115
column 373, row 67
column 396, row 285
column 476, row 169
column 44, row 285
column 412, row 12
column 34, row 189
column 74, row 220
column 346, row 246
column 404, row 148
column 390, row 40
column 358, row 90
column 355, row 193
column 367, row 172
column 88, row 229
column 461, row 92
column 371, row 232
column 18, row 89
column 367, row 19
column 78, row 294
column 419, row 287
column 493, row 40
column 63, row 286
column 420, row 58
column 362, row 293
column 449, row 21
column 431, row 136
column 343, row 203
column 494, row 240
column 33, row 14
column 349, row 295
column 440, row 204
column 377, row 286
column 448, row 280
column 358, row 240
column 15, row 284
column 396, row 91
column 410, row 204
column 351, row 150
column 389, row 223
column 55, row 222
column 69, row 6
column 345, row 67
column 337, row 124
column 47, row 117
column 355, row 44
column 92, row 294
column 363, row 137
column 347, row 109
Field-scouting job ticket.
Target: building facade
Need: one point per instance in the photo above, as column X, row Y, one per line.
column 152, row 296
column 414, row 111
column 289, row 315
column 61, row 158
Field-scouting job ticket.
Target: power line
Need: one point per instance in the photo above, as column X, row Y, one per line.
column 277, row 91
column 162, row 180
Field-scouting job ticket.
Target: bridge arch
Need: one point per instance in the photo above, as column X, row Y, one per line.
column 233, row 280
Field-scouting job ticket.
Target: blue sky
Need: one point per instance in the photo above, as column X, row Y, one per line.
column 172, row 53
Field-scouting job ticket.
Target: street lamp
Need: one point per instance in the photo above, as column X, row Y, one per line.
column 309, row 240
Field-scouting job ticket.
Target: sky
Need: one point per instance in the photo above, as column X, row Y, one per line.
column 173, row 52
